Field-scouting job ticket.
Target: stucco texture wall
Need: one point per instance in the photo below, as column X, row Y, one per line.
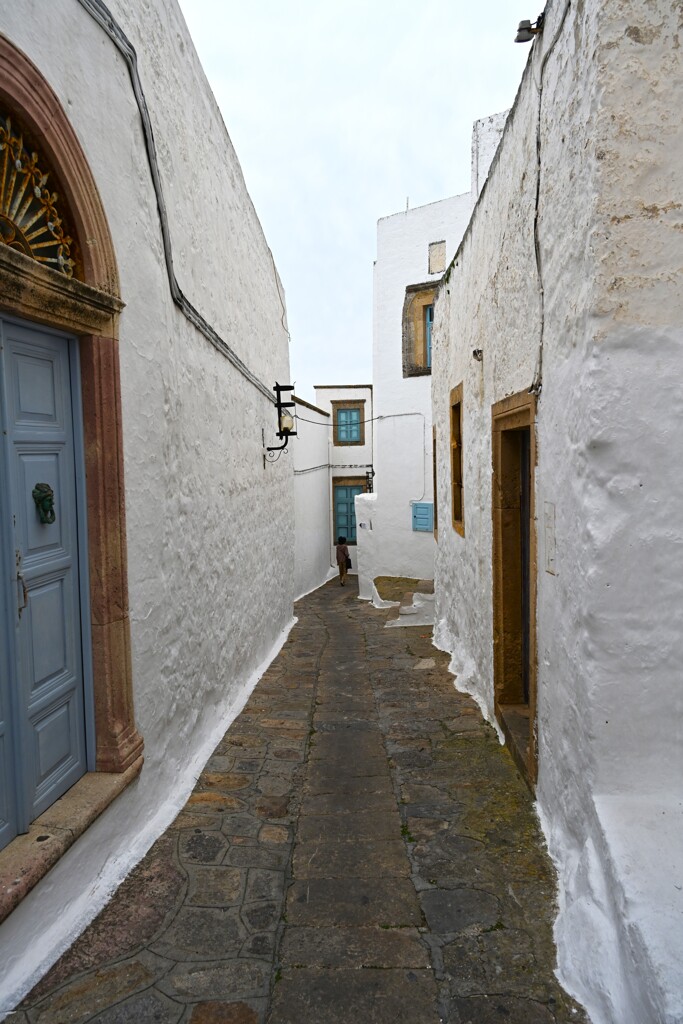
column 310, row 457
column 403, row 439
column 608, row 326
column 210, row 530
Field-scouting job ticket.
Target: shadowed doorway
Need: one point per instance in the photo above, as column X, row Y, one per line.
column 514, row 577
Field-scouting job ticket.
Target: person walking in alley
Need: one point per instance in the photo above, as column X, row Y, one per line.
column 343, row 559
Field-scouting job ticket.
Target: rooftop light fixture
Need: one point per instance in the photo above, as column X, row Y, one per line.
column 526, row 30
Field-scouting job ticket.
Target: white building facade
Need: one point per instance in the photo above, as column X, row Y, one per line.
column 350, row 438
column 413, row 250
column 558, row 361
column 310, row 452
column 146, row 584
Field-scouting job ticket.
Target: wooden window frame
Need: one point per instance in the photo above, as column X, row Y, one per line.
column 414, row 328
column 336, row 406
column 428, row 333
column 434, row 482
column 436, row 255
column 457, row 482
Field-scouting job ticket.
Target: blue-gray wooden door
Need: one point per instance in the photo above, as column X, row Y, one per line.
column 8, row 807
column 44, row 690
column 345, row 511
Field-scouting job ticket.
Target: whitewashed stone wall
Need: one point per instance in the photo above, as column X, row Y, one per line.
column 210, row 530
column 310, row 451
column 610, row 644
column 403, row 432
column 486, row 133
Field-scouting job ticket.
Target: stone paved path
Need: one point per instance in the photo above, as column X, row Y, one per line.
column 359, row 848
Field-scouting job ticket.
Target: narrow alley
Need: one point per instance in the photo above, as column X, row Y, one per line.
column 358, row 848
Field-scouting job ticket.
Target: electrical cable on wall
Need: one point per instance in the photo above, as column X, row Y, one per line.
column 337, row 465
column 537, row 384
column 373, row 419
column 104, row 18
column 388, row 416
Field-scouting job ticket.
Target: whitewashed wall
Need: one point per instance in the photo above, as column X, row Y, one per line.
column 486, row 133
column 310, row 456
column 209, row 528
column 610, row 644
column 403, row 432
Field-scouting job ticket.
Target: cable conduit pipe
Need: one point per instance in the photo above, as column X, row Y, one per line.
column 104, row 18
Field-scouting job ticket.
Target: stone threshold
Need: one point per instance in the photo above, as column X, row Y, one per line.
column 29, row 857
column 514, row 721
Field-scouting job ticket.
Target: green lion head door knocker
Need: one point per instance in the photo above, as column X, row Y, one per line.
column 44, row 497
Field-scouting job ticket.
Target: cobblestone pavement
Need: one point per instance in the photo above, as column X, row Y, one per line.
column 359, row 848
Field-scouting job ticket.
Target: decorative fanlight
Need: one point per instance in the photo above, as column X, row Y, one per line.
column 31, row 220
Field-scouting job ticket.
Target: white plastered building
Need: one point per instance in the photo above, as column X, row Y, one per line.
column 396, row 522
column 332, row 455
column 140, row 602
column 559, row 572
column 310, row 452
column 350, row 439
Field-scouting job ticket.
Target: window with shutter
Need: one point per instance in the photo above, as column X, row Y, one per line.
column 348, row 423
column 423, row 517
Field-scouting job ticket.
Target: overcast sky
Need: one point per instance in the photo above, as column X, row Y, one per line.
column 340, row 113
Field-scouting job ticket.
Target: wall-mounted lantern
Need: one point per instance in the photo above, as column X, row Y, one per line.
column 284, row 418
column 526, row 31
column 368, row 480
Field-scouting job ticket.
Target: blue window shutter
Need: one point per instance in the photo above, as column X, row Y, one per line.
column 348, row 425
column 423, row 517
column 429, row 323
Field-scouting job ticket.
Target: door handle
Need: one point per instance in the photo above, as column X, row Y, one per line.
column 24, row 588
column 44, row 497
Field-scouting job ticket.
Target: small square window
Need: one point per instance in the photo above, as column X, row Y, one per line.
column 437, row 257
column 348, row 423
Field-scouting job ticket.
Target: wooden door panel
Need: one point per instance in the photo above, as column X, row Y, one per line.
column 48, row 687
column 46, row 631
column 41, row 464
column 56, row 754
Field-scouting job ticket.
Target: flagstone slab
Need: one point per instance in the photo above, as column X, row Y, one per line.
column 311, row 996
column 354, row 948
column 353, row 902
column 352, row 858
column 215, row 886
column 217, row 981
column 214, row 1012
column 363, row 825
column 455, row 910
column 201, row 933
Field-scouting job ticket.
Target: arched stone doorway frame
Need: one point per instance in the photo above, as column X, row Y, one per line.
column 91, row 311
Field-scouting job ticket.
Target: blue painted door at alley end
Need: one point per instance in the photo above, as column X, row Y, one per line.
column 345, row 510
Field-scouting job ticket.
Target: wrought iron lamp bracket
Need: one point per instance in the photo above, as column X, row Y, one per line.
column 284, row 433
